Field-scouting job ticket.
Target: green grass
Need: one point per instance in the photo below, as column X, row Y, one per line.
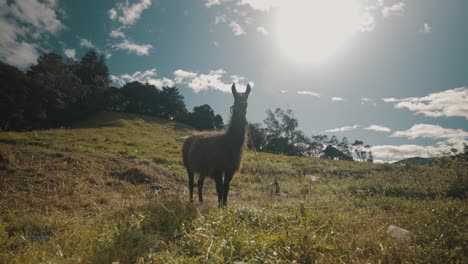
column 113, row 189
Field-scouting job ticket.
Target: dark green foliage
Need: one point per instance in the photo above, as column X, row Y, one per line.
column 417, row 160
column 54, row 92
column 282, row 134
column 257, row 136
column 93, row 71
column 283, row 137
column 333, row 153
column 13, row 95
column 140, row 98
column 172, row 103
column 204, row 118
column 55, row 89
column 57, row 92
column 458, row 189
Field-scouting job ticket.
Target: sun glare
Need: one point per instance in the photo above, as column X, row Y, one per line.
column 312, row 31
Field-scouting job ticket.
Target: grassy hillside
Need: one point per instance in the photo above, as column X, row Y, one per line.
column 113, row 189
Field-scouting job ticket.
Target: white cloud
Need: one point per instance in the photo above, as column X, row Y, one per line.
column 148, row 76
column 181, row 75
column 20, row 54
column 202, row 82
column 237, row 78
column 220, row 19
column 40, row 15
column 70, row 53
column 378, row 128
column 108, row 54
column 395, row 9
column 398, row 152
column 236, row 28
column 133, row 47
column 367, row 100
column 390, row 100
column 426, row 29
column 450, row 138
column 115, row 33
column 260, row 5
column 283, row 91
column 449, row 103
column 433, row 131
column 210, row 3
column 127, row 14
column 367, row 22
column 337, row 99
column 22, row 23
column 308, row 93
column 263, row 31
column 112, row 14
column 86, row 43
column 342, row 129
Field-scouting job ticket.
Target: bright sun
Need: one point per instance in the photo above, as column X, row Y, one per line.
column 311, row 31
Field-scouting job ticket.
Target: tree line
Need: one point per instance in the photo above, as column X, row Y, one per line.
column 281, row 136
column 58, row 91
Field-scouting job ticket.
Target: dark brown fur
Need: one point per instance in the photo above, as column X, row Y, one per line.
column 213, row 154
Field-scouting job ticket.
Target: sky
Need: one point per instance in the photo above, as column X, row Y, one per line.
column 391, row 73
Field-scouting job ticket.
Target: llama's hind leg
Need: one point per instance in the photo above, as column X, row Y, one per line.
column 228, row 174
column 190, row 176
column 201, row 182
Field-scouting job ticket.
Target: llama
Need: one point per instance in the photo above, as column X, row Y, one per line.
column 213, row 154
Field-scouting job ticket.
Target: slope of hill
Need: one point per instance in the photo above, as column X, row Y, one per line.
column 417, row 160
column 113, row 189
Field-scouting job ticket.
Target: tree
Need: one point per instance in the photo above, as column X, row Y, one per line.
column 55, row 88
column 93, row 71
column 333, row 153
column 333, row 141
column 361, row 151
column 281, row 123
column 258, row 136
column 344, row 147
column 282, row 134
column 94, row 74
column 141, row 98
column 203, row 118
column 172, row 104
column 218, row 122
column 13, row 97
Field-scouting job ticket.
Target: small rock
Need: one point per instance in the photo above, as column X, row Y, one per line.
column 312, row 178
column 398, row 233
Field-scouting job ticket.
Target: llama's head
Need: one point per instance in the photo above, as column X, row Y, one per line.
column 240, row 100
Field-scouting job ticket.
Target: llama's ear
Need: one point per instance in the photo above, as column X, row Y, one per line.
column 233, row 89
column 247, row 91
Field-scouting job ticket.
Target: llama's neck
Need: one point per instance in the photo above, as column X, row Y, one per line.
column 236, row 130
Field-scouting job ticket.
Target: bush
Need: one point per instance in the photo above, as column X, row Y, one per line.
column 458, row 189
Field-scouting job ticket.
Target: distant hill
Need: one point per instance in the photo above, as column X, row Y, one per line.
column 417, row 160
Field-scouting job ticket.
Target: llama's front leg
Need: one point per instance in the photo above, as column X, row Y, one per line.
column 219, row 187
column 190, row 176
column 227, row 181
column 201, row 181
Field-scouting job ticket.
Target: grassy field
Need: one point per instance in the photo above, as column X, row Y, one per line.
column 113, row 189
